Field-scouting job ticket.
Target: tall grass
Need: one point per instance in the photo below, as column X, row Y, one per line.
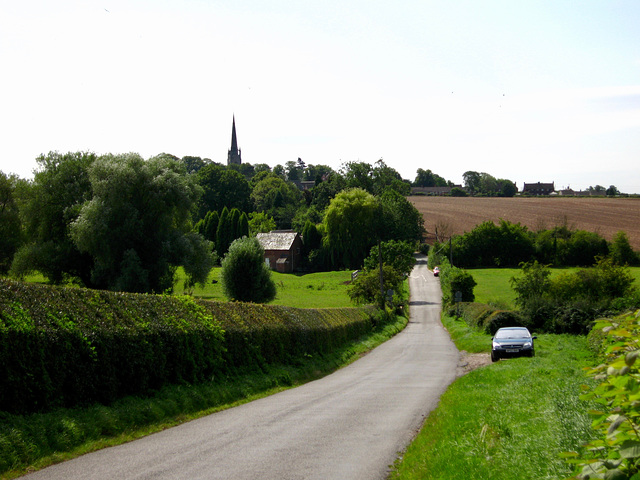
column 508, row 420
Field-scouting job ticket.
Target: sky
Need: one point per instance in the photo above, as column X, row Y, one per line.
column 530, row 91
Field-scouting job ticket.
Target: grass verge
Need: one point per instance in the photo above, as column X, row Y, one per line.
column 32, row 442
column 507, row 420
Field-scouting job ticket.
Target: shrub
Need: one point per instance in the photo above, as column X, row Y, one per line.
column 503, row 318
column 615, row 454
column 366, row 288
column 454, row 280
column 245, row 276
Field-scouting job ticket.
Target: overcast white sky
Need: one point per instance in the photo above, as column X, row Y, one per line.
column 525, row 90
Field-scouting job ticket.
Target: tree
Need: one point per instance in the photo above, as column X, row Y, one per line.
column 193, row 164
column 222, row 187
column 621, row 252
column 426, row 178
column 612, row 191
column 396, row 254
column 137, row 225
column 260, row 222
column 311, row 237
column 243, row 226
column 350, row 223
column 245, row 276
column 211, row 226
column 366, row 287
column 358, row 175
column 60, row 187
column 399, row 219
column 10, row 226
column 278, row 198
column 471, row 181
column 224, row 233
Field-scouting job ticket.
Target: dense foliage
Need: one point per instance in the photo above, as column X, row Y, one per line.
column 61, row 347
column 10, row 227
column 508, row 244
column 615, row 453
column 136, row 225
column 569, row 302
column 72, row 346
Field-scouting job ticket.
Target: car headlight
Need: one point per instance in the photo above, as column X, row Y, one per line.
column 527, row 345
column 495, row 345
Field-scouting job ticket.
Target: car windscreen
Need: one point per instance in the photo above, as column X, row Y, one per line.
column 515, row 333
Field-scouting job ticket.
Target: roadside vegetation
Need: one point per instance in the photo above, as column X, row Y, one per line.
column 507, row 420
column 257, row 356
column 551, row 416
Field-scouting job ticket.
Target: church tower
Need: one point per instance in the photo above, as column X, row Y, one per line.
column 234, row 156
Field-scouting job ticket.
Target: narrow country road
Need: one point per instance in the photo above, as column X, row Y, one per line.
column 349, row 425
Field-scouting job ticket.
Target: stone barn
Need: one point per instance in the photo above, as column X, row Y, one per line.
column 282, row 250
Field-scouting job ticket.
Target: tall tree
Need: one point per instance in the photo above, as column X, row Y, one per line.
column 137, row 225
column 399, row 219
column 350, row 224
column 60, row 187
column 224, row 232
column 223, row 187
column 10, row 226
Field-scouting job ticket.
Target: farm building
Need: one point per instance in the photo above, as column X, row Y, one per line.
column 538, row 188
column 282, row 249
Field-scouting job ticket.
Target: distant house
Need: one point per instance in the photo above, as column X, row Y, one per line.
column 538, row 188
column 282, row 249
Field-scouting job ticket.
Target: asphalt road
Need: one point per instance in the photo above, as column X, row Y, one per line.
column 349, row 425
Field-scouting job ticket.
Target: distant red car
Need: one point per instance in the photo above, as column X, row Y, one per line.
column 436, row 271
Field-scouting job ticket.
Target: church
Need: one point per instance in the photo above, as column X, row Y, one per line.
column 234, row 157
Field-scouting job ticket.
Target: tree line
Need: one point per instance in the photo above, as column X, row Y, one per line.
column 124, row 223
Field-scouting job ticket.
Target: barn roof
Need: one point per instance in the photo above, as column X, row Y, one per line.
column 277, row 239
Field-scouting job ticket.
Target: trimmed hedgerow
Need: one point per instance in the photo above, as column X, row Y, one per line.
column 62, row 347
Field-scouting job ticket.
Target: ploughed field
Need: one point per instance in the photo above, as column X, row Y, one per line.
column 605, row 216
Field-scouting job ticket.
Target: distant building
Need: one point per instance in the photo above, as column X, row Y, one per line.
column 282, row 249
column 234, row 157
column 538, row 188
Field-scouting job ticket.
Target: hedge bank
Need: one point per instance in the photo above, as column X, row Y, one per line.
column 63, row 347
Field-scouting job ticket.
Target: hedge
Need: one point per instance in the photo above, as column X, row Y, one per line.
column 63, row 347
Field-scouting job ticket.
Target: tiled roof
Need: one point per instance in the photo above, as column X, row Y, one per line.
column 276, row 240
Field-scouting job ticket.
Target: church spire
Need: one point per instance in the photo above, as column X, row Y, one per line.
column 234, row 155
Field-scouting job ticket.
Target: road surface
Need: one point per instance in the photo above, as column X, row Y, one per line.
column 349, row 425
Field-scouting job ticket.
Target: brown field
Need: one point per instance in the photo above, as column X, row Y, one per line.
column 605, row 216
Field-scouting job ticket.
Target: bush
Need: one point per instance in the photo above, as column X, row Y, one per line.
column 245, row 276
column 454, row 280
column 503, row 318
column 615, row 454
column 366, row 288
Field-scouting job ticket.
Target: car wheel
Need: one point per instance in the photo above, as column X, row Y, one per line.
column 494, row 357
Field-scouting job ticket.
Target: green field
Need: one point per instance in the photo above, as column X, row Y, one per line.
column 313, row 290
column 493, row 285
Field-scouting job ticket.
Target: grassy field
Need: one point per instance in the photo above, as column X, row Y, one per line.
column 494, row 287
column 507, row 420
column 313, row 290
